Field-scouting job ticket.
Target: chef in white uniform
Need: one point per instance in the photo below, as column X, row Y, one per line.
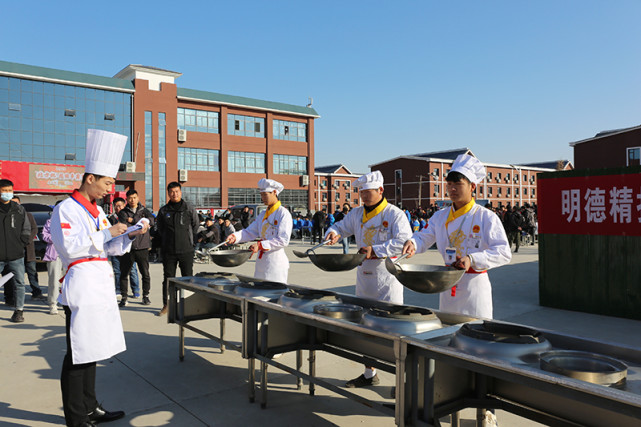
column 83, row 238
column 469, row 237
column 273, row 227
column 380, row 230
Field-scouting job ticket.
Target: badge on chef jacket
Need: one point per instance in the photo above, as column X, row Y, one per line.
column 450, row 256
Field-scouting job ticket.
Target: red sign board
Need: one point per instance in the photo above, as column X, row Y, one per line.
column 41, row 177
column 595, row 205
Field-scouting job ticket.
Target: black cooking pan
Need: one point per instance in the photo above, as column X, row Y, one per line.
column 231, row 257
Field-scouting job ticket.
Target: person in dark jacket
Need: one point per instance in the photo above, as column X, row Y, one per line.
column 318, row 224
column 514, row 225
column 139, row 253
column 30, row 258
column 178, row 225
column 210, row 236
column 15, row 233
column 244, row 217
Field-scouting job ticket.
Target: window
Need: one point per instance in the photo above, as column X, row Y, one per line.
column 42, row 122
column 347, row 196
column 437, row 188
column 294, row 198
column 507, row 175
column 162, row 153
column 202, row 197
column 324, row 197
column 436, row 171
column 355, row 202
column 489, row 191
column 149, row 167
column 197, row 120
column 489, row 175
column 290, row 131
column 498, row 191
column 243, row 196
column 338, row 197
column 242, row 162
column 245, row 125
column 507, row 191
column 198, row 159
column 533, row 191
column 524, row 177
column 634, row 153
column 498, row 175
column 290, row 165
column 525, row 191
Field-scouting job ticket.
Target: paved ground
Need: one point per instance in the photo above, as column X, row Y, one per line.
column 209, row 388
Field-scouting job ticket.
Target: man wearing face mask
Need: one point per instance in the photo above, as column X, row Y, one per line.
column 15, row 234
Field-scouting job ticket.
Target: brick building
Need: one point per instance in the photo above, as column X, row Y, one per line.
column 609, row 149
column 333, row 186
column 218, row 146
column 419, row 179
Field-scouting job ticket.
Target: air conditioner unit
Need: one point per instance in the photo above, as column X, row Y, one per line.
column 497, row 179
column 435, row 194
column 323, row 186
column 516, row 179
column 182, row 135
column 130, row 167
column 182, row 175
column 304, row 180
column 507, row 179
column 335, row 186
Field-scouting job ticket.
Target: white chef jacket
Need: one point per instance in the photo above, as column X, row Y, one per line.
column 88, row 288
column 385, row 233
column 274, row 233
column 479, row 234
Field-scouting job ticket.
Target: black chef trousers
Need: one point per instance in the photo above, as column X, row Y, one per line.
column 169, row 264
column 140, row 257
column 78, row 384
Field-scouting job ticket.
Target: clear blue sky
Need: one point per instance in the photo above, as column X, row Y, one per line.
column 515, row 81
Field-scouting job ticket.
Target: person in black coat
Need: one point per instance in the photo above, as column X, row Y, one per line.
column 178, row 227
column 139, row 253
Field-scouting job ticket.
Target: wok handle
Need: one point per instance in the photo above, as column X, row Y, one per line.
column 396, row 261
column 317, row 246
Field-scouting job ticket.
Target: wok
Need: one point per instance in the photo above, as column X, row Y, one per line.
column 230, row 258
column 426, row 279
column 336, row 262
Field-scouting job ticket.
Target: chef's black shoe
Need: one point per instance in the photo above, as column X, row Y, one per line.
column 17, row 317
column 123, row 302
column 146, row 301
column 362, row 382
column 38, row 297
column 101, row 415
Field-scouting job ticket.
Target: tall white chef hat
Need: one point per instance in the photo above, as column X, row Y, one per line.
column 269, row 185
column 104, row 152
column 469, row 166
column 369, row 181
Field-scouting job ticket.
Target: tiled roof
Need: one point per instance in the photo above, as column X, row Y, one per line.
column 546, row 165
column 22, row 70
column 248, row 102
column 448, row 154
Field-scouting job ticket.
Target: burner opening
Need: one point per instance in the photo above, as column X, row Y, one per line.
column 263, row 285
column 309, row 294
column 499, row 332
column 402, row 312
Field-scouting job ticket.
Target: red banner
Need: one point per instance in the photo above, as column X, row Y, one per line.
column 595, row 205
column 41, row 177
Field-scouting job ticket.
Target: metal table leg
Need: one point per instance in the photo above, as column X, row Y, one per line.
column 181, row 329
column 263, row 385
column 312, row 370
column 252, row 379
column 299, row 363
column 222, row 335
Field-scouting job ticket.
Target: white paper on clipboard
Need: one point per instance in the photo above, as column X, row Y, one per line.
column 135, row 227
column 4, row 279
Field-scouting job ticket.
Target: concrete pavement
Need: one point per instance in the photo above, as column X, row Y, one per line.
column 209, row 388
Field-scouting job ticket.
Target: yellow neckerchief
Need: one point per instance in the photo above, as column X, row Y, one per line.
column 265, row 224
column 369, row 215
column 459, row 212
